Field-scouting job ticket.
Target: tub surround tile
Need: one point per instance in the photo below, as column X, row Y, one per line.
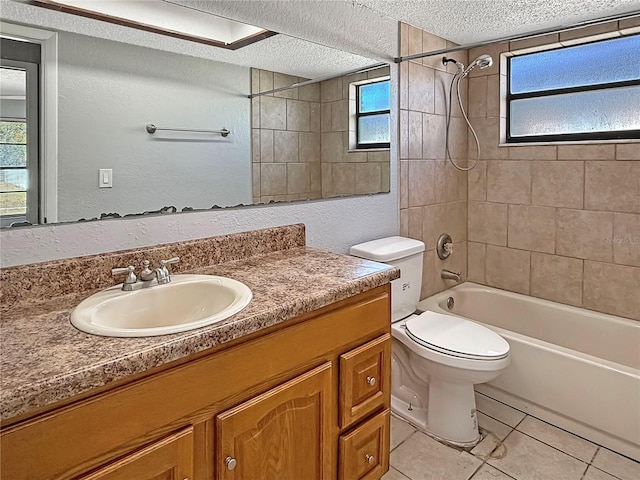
column 509, row 182
column 584, row 234
column 605, row 284
column 587, row 152
column 628, row 151
column 612, row 186
column 434, row 461
column 532, row 228
column 557, row 438
column 626, row 239
column 528, row 458
column 476, row 262
column 557, row 278
column 477, row 182
column 44, row 359
column 487, row 223
column 508, row 269
column 557, row 184
column 617, row 465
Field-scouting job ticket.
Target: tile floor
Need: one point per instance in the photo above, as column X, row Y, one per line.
column 514, row 446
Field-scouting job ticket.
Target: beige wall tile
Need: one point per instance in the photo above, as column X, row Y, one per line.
column 580, row 34
column 449, row 185
column 298, row 178
column 433, row 136
column 532, row 228
column 442, row 218
column 629, row 23
column 557, row 183
column 331, row 147
column 309, row 147
column 404, row 184
column 385, row 179
column 404, row 222
column 508, row 269
column 380, row 156
column 340, row 116
column 255, row 112
column 528, row 43
column 612, row 186
column 509, row 182
column 298, row 116
column 533, row 153
column 325, row 117
column 404, row 134
column 626, row 238
column 421, row 88
column 458, row 140
column 584, row 234
column 477, row 96
column 316, row 180
column 343, row 178
column 421, row 182
column 273, row 113
column 628, row 151
column 430, row 43
column 282, row 80
column 415, row 223
column 415, row 134
column 587, row 152
column 285, row 146
column 273, row 178
column 404, row 85
column 477, row 182
column 487, row 223
column 496, row 84
column 331, row 90
column 612, row 289
column 476, row 262
column 428, row 287
column 266, row 146
column 459, row 55
column 255, row 145
column 556, row 278
column 442, row 83
column 404, row 39
column 255, row 180
column 255, row 80
column 415, row 41
column 309, row 93
column 266, row 80
column 368, row 177
column 488, row 131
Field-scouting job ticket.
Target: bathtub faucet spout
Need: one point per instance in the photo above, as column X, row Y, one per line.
column 449, row 275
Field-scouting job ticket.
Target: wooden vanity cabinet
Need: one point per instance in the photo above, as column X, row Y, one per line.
column 295, row 403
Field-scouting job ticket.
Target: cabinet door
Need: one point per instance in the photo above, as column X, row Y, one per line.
column 283, row 434
column 168, row 459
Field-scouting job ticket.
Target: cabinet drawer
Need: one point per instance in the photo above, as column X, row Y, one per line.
column 365, row 377
column 364, row 451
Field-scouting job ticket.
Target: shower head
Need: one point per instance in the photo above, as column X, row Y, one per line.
column 482, row 62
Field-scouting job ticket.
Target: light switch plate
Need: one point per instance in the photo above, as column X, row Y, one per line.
column 105, row 179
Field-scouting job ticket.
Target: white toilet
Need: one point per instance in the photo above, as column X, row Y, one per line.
column 436, row 358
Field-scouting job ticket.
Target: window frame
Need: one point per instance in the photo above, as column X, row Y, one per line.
column 565, row 137
column 359, row 114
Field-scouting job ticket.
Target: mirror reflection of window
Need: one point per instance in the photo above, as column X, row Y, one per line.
column 373, row 112
column 18, row 133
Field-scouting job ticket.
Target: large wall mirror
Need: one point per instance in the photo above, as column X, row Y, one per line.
column 311, row 141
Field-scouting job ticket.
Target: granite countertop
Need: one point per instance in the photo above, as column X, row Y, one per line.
column 44, row 359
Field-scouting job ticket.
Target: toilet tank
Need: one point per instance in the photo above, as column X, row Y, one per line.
column 406, row 254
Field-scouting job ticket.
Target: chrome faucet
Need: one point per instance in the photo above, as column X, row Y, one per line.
column 148, row 277
column 449, row 275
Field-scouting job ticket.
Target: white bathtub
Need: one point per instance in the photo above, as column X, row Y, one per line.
column 575, row 368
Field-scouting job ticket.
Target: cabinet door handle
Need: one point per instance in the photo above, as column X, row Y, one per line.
column 369, row 458
column 371, row 381
column 230, row 462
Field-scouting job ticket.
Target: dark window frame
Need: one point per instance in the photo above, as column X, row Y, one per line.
column 359, row 114
column 566, row 137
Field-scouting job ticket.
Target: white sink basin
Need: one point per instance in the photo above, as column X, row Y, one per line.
column 188, row 302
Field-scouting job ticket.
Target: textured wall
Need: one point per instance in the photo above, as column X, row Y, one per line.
column 557, row 222
column 433, row 194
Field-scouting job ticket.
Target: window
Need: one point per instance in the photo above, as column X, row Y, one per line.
column 19, row 165
column 584, row 92
column 373, row 111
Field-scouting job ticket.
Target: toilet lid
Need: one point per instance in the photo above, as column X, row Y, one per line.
column 456, row 336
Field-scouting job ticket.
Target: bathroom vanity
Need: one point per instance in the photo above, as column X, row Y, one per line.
column 296, row 386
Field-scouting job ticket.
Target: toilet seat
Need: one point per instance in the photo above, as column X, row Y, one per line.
column 456, row 336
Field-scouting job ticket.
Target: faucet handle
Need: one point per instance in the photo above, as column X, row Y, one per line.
column 131, row 277
column 164, row 263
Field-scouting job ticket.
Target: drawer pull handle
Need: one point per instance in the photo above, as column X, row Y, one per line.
column 369, row 458
column 371, row 381
column 230, row 463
